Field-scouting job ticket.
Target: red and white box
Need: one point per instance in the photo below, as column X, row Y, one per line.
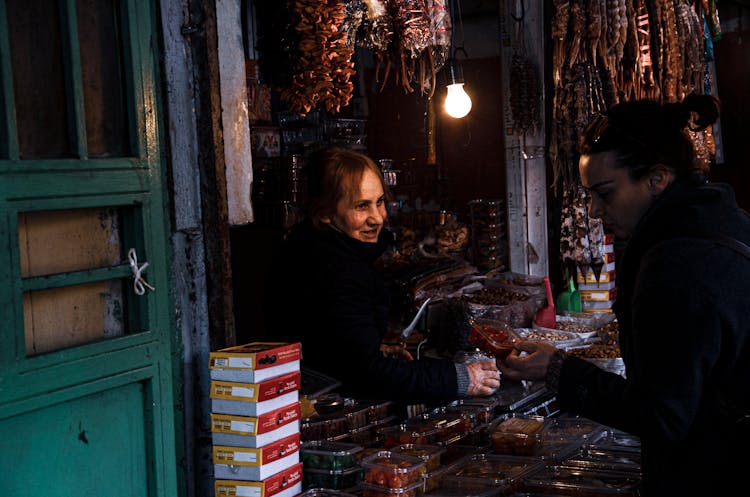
column 286, row 483
column 244, row 463
column 596, row 305
column 255, row 431
column 598, row 295
column 598, row 287
column 254, row 399
column 604, row 276
column 255, row 361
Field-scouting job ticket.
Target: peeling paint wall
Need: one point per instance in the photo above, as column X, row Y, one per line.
column 239, row 165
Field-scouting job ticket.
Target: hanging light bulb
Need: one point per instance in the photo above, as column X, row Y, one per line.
column 457, row 101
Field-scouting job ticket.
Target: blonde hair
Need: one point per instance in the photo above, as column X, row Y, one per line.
column 335, row 174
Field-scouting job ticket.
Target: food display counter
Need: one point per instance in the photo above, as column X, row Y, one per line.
column 514, row 442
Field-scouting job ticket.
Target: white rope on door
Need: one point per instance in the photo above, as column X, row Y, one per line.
column 139, row 283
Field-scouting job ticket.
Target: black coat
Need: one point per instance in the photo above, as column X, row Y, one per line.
column 683, row 311
column 329, row 295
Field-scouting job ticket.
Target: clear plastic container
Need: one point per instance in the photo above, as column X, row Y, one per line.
column 344, row 128
column 558, row 338
column 391, row 470
column 470, row 415
column 326, row 455
column 573, row 428
column 315, row 428
column 435, row 478
column 447, row 425
column 616, row 439
column 606, row 459
column 498, row 470
column 465, row 488
column 357, row 416
column 402, row 434
column 335, row 479
column 518, row 435
column 564, row 436
column 485, row 407
column 493, row 337
column 581, row 326
column 370, row 490
column 370, row 434
column 431, row 454
column 378, row 410
column 582, row 482
column 324, row 492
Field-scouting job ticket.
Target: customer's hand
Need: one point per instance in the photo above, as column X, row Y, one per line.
column 484, row 378
column 527, row 361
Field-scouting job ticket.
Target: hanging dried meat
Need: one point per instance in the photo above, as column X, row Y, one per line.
column 375, row 31
column 606, row 51
column 324, row 65
column 440, row 27
column 559, row 32
column 410, row 41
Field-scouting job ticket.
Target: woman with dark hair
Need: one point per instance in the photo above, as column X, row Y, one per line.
column 328, row 295
column 683, row 303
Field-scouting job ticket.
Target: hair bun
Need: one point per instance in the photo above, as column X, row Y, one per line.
column 707, row 107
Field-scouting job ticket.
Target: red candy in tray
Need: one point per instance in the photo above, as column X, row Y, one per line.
column 492, row 337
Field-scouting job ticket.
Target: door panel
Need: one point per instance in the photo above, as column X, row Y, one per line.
column 53, row 242
column 86, row 388
column 94, row 444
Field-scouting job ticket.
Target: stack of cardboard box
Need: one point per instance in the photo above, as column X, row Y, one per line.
column 255, row 419
column 598, row 294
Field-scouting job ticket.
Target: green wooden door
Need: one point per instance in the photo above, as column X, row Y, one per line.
column 86, row 393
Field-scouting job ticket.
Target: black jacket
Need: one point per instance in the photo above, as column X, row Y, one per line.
column 329, row 295
column 683, row 310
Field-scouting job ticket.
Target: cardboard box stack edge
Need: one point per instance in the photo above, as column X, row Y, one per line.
column 255, row 419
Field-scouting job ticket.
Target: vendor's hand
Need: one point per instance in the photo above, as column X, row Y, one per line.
column 397, row 350
column 484, row 378
column 530, row 366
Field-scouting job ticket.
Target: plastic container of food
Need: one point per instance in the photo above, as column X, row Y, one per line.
column 391, row 470
column 562, row 437
column 370, row 490
column 324, row 492
column 492, row 337
column 378, row 410
column 518, row 435
column 446, row 424
column 607, row 357
column 464, row 488
column 431, row 454
column 616, row 439
column 335, row 479
column 573, row 428
column 497, row 470
column 484, row 407
column 582, row 482
column 584, row 327
column 558, row 338
column 326, row 455
column 318, row 428
column 606, row 459
column 435, row 478
column 453, row 446
column 471, row 414
column 403, row 434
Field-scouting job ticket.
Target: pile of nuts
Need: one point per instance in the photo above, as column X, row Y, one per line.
column 596, row 351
